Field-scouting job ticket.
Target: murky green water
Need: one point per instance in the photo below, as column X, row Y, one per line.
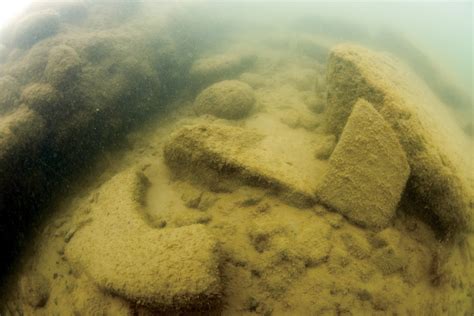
column 236, row 158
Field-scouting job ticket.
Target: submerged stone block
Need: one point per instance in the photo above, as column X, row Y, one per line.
column 441, row 177
column 214, row 152
column 168, row 269
column 367, row 171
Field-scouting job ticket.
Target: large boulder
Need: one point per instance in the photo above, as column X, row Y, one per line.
column 367, row 171
column 168, row 269
column 35, row 27
column 434, row 144
column 229, row 99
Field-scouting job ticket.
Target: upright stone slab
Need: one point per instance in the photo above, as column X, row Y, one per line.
column 437, row 150
column 367, row 171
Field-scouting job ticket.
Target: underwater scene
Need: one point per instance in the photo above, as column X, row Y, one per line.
column 237, row 158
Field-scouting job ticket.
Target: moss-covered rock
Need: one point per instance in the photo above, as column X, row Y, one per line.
column 63, row 67
column 229, row 99
column 434, row 143
column 19, row 130
column 41, row 97
column 9, row 93
column 367, row 171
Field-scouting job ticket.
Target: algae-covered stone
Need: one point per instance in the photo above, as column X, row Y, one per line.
column 9, row 93
column 367, row 171
column 162, row 268
column 41, row 97
column 216, row 152
column 20, row 131
column 229, row 99
column 434, row 144
column 35, row 27
column 63, row 65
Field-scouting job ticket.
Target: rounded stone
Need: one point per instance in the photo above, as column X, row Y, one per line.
column 63, row 66
column 229, row 99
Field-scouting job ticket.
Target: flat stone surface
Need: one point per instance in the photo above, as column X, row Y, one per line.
column 367, row 171
column 163, row 268
column 234, row 152
column 437, row 150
